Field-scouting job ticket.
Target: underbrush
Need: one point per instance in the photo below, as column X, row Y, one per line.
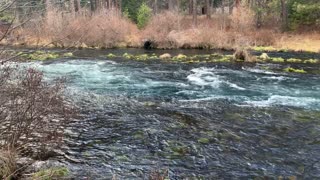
column 171, row 30
column 33, row 115
column 165, row 30
column 102, row 30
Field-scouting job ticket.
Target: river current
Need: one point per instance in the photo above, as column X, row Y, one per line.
column 209, row 121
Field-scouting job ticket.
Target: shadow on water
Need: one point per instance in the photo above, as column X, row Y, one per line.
column 194, row 120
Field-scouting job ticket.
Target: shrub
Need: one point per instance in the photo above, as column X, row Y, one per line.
column 102, row 29
column 304, row 14
column 32, row 111
column 143, row 16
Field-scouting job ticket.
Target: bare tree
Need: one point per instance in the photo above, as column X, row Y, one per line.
column 284, row 15
column 170, row 5
column 194, row 13
column 155, row 6
column 190, row 7
column 77, row 5
column 238, row 2
column 208, row 9
column 92, row 6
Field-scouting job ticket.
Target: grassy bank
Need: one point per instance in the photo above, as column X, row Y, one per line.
column 167, row 30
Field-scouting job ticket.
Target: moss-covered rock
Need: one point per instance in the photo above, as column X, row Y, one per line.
column 311, row 61
column 68, row 54
column 264, row 56
column 165, row 56
column 294, row 60
column 277, row 60
column 290, row 69
column 141, row 57
column 127, row 56
column 110, row 55
column 41, row 55
column 179, row 57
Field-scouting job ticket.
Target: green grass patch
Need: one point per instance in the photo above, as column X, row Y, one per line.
column 51, row 173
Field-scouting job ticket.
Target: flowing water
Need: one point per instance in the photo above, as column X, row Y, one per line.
column 209, row 121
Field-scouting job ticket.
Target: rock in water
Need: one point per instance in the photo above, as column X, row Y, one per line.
column 243, row 55
column 264, row 56
column 165, row 56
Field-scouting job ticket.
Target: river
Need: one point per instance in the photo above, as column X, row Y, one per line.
column 200, row 120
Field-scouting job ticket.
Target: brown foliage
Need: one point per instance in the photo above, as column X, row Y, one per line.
column 165, row 30
column 171, row 30
column 103, row 29
column 32, row 112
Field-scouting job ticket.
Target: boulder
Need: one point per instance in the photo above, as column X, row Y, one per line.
column 165, row 56
column 264, row 56
column 243, row 55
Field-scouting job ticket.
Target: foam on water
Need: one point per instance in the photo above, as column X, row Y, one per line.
column 245, row 87
column 208, row 77
column 287, row 101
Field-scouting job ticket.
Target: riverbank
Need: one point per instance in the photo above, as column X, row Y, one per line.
column 167, row 30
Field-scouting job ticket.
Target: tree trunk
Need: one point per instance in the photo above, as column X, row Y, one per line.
column 208, row 9
column 231, row 7
column 155, row 7
column 259, row 14
column 194, row 13
column 284, row 15
column 190, row 7
column 178, row 6
column 237, row 3
column 170, row 5
column 120, row 6
column 222, row 6
column 92, row 6
column 77, row 5
column 72, row 7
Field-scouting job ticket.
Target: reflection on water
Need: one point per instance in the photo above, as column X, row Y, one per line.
column 208, row 121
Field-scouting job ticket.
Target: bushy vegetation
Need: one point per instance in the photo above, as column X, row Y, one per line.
column 33, row 114
column 32, row 111
column 143, row 16
column 304, row 13
column 254, row 24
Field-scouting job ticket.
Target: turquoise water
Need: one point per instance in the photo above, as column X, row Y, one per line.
column 225, row 121
column 244, row 86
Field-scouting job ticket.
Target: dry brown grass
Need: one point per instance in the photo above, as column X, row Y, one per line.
column 299, row 42
column 165, row 30
column 8, row 165
column 171, row 30
column 104, row 30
